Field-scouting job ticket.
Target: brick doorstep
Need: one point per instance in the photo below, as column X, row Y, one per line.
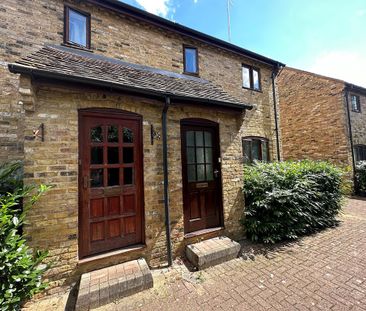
column 100, row 287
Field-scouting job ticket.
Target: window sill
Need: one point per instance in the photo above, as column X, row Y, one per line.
column 191, row 74
column 111, row 254
column 356, row 111
column 250, row 89
column 78, row 47
column 202, row 232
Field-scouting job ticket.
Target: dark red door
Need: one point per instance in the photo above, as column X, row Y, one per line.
column 111, row 202
column 201, row 175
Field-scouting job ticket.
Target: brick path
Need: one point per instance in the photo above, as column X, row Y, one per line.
column 326, row 271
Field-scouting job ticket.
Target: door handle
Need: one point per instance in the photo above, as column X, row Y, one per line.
column 216, row 173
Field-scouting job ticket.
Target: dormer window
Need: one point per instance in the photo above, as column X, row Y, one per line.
column 77, row 27
column 190, row 60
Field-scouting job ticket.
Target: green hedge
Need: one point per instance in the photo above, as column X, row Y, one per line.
column 285, row 200
column 21, row 268
column 361, row 177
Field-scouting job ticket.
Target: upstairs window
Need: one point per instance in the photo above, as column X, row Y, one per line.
column 255, row 149
column 355, row 103
column 360, row 152
column 251, row 78
column 190, row 60
column 77, row 27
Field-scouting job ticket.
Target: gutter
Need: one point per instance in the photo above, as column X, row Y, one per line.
column 20, row 69
column 275, row 72
column 166, row 181
column 346, row 94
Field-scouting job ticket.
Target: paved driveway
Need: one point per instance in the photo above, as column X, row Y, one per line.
column 326, row 271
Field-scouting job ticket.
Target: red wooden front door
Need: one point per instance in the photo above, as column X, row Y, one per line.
column 202, row 196
column 111, row 201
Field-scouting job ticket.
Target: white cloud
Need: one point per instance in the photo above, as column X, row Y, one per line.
column 345, row 65
column 157, row 7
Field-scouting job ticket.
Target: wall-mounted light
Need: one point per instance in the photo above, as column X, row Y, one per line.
column 154, row 134
column 37, row 133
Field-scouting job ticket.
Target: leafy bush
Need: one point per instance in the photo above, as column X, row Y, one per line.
column 287, row 199
column 20, row 268
column 361, row 176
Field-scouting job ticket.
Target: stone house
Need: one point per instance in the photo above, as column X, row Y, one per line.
column 321, row 118
column 138, row 123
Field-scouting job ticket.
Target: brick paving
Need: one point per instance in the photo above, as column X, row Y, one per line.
column 325, row 271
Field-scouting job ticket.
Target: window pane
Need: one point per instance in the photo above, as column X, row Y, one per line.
column 190, row 138
column 208, row 139
column 128, row 155
column 256, row 84
column 128, row 176
column 191, row 173
column 247, row 145
column 199, row 138
column 256, row 155
column 113, row 176
column 201, row 172
column 127, row 135
column 209, row 172
column 96, row 134
column 96, row 178
column 355, row 103
column 113, row 134
column 190, row 56
column 208, row 152
column 96, row 155
column 246, row 77
column 113, row 155
column 77, row 28
column 190, row 155
column 200, row 155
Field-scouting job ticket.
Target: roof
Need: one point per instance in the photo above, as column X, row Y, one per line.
column 136, row 13
column 349, row 86
column 63, row 63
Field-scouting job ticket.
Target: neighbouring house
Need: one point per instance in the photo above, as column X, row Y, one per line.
column 139, row 123
column 321, row 118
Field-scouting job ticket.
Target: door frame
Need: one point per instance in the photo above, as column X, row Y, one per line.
column 216, row 127
column 106, row 112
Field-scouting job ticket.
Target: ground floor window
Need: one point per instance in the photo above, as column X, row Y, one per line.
column 255, row 148
column 360, row 152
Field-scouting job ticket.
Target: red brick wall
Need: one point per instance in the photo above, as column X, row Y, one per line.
column 313, row 117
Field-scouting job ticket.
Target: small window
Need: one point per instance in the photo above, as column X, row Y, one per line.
column 360, row 152
column 251, row 78
column 355, row 103
column 190, row 60
column 77, row 27
column 255, row 148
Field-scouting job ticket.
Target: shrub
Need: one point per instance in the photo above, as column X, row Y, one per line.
column 361, row 177
column 287, row 199
column 20, row 267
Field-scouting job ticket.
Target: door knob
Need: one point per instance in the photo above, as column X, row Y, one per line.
column 216, row 173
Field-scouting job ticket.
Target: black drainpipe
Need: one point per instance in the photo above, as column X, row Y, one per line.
column 346, row 93
column 274, row 74
column 166, row 181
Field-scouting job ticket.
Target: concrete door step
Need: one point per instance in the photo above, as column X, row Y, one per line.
column 104, row 286
column 212, row 252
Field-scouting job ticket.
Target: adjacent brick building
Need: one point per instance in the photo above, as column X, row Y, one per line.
column 128, row 116
column 321, row 118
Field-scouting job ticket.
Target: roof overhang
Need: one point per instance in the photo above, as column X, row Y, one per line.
column 55, row 76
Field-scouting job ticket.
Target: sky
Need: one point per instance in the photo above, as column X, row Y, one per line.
column 327, row 37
